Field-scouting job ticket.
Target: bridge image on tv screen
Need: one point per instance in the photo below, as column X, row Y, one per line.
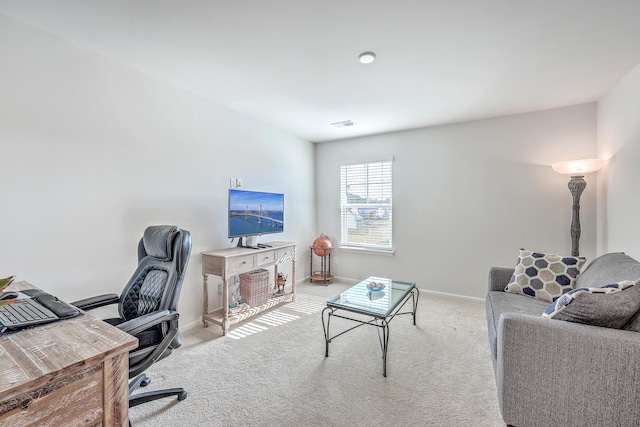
column 253, row 213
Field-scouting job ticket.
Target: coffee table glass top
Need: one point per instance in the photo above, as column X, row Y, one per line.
column 379, row 303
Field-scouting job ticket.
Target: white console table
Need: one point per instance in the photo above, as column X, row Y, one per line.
column 230, row 262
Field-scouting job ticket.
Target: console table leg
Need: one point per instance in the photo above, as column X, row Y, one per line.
column 205, row 299
column 293, row 279
column 225, row 306
column 275, row 278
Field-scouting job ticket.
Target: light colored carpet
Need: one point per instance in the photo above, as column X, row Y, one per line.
column 271, row 371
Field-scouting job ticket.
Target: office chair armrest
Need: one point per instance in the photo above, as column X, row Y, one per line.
column 142, row 323
column 97, row 301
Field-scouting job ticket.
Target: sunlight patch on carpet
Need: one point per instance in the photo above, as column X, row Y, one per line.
column 245, row 330
column 262, row 323
column 276, row 318
column 307, row 307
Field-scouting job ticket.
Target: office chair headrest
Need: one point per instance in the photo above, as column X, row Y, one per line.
column 157, row 241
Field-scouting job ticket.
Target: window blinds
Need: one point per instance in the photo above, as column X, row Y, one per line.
column 366, row 203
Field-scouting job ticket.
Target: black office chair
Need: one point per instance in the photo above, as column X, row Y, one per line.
column 148, row 305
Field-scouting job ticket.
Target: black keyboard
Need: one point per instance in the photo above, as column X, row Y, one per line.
column 24, row 312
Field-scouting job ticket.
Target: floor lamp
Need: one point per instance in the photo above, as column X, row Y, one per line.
column 577, row 169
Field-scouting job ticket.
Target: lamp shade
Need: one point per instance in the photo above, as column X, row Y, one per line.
column 578, row 167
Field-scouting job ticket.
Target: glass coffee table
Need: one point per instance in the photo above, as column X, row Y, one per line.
column 374, row 301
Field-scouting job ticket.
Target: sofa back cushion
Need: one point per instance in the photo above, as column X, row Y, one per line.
column 610, row 306
column 609, row 268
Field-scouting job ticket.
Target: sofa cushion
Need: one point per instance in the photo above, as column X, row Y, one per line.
column 544, row 276
column 609, row 268
column 634, row 323
column 498, row 302
column 610, row 306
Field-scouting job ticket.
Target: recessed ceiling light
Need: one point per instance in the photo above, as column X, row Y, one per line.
column 367, row 57
column 343, row 124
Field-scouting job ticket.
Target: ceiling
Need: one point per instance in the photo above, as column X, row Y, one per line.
column 294, row 63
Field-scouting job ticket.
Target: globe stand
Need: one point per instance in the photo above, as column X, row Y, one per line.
column 324, row 274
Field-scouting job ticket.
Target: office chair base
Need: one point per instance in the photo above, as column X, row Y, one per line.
column 141, row 398
column 140, row 381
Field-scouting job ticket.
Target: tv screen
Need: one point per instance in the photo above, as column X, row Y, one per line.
column 252, row 213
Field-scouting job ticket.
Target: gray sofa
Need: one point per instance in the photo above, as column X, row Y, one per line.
column 557, row 373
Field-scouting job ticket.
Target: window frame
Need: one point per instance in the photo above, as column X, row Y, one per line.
column 383, row 187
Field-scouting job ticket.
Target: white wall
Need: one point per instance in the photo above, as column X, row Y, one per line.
column 467, row 196
column 619, row 189
column 93, row 151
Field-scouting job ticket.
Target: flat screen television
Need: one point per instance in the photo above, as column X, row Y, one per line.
column 253, row 213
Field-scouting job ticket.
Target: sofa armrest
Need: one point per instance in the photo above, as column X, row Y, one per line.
column 551, row 372
column 499, row 278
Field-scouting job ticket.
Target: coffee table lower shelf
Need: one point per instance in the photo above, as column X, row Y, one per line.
column 217, row 316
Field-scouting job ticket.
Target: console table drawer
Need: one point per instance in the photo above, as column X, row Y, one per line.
column 242, row 264
column 267, row 258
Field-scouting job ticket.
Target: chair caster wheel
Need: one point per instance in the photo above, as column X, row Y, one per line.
column 145, row 382
column 182, row 396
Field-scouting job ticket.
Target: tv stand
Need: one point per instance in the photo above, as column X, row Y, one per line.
column 248, row 246
column 229, row 262
column 252, row 241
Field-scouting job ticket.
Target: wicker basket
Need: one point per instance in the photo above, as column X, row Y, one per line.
column 254, row 287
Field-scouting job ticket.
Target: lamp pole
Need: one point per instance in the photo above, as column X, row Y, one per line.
column 576, row 186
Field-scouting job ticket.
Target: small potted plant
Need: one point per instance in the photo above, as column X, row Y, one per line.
column 5, row 282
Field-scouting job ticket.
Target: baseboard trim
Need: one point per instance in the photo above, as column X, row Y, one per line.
column 456, row 296
column 192, row 325
column 350, row 281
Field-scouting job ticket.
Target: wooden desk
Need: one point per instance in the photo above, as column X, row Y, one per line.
column 233, row 261
column 70, row 372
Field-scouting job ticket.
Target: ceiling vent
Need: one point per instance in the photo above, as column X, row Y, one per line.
column 343, row 124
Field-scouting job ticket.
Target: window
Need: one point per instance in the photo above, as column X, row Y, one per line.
column 365, row 204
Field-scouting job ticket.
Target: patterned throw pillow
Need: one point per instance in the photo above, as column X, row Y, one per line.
column 610, row 306
column 544, row 276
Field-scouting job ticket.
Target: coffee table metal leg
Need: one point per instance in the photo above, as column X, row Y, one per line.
column 325, row 327
column 385, row 346
column 415, row 296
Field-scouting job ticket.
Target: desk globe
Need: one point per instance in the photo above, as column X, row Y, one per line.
column 322, row 247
